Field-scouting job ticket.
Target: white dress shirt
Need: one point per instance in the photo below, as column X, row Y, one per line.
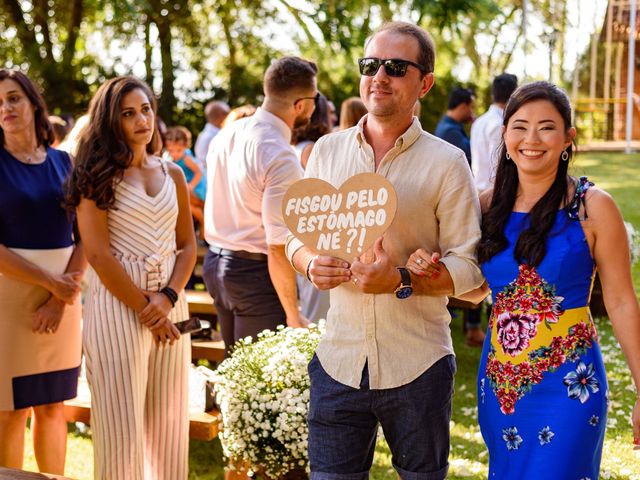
column 250, row 166
column 486, row 136
column 202, row 143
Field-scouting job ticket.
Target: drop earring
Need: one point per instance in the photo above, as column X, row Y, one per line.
column 565, row 156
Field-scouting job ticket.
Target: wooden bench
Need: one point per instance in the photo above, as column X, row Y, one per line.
column 12, row 474
column 207, row 350
column 202, row 425
column 200, row 303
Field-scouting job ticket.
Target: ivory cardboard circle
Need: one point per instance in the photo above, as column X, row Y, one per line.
column 343, row 222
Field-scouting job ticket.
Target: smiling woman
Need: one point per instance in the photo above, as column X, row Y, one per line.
column 543, row 234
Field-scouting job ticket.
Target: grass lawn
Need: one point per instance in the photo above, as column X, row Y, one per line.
column 619, row 175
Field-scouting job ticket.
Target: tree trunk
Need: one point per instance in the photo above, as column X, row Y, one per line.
column 233, row 63
column 72, row 36
column 167, row 98
column 148, row 51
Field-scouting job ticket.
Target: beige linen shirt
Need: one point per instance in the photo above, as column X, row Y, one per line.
column 250, row 166
column 438, row 210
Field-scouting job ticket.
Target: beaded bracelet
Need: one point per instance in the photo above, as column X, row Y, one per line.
column 171, row 294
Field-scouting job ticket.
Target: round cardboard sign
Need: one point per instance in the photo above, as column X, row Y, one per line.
column 343, row 222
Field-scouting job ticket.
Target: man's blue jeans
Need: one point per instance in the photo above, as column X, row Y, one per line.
column 343, row 423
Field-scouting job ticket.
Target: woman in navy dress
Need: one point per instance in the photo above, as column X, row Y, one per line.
column 542, row 385
column 40, row 273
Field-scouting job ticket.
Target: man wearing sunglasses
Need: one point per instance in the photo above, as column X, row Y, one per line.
column 387, row 357
column 250, row 165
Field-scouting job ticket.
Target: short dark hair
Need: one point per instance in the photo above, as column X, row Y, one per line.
column 427, row 49
column 289, row 74
column 44, row 130
column 458, row 96
column 503, row 86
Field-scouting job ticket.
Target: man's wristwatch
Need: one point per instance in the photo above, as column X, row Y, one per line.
column 404, row 290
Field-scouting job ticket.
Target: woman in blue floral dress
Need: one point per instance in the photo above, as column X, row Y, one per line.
column 542, row 386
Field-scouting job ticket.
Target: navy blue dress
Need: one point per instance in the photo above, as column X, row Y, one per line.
column 542, row 386
column 35, row 369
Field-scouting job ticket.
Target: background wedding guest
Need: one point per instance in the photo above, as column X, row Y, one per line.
column 451, row 129
column 351, row 111
column 303, row 138
column 250, row 166
column 243, row 111
column 60, row 130
column 133, row 214
column 314, row 303
column 486, row 132
column 40, row 273
column 177, row 143
column 215, row 112
column 451, row 126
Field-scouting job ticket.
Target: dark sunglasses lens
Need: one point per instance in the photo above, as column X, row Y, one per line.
column 396, row 68
column 369, row 66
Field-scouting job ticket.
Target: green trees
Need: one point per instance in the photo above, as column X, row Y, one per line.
column 192, row 50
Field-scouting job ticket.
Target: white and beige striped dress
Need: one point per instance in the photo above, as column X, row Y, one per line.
column 138, row 390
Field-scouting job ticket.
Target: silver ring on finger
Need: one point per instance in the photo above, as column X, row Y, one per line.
column 355, row 281
column 419, row 261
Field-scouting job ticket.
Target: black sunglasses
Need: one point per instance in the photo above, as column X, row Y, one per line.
column 394, row 67
column 314, row 98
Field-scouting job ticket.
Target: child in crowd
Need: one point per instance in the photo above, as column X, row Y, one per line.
column 176, row 143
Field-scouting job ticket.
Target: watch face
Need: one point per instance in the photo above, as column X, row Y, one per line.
column 404, row 292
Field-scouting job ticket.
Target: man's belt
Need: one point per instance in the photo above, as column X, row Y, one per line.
column 259, row 257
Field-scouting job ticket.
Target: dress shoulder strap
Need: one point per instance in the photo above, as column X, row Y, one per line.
column 163, row 164
column 578, row 204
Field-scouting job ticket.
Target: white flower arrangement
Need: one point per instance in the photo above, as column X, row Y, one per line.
column 263, row 393
column 634, row 242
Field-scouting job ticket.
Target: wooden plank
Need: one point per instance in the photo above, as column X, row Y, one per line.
column 202, row 425
column 207, row 350
column 12, row 474
column 200, row 303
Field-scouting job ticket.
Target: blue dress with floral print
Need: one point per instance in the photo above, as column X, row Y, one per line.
column 542, row 387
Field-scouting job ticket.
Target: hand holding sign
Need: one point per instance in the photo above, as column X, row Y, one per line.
column 343, row 222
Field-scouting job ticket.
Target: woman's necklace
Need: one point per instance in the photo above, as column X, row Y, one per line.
column 26, row 157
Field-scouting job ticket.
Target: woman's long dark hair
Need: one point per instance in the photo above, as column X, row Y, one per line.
column 319, row 123
column 44, row 130
column 103, row 153
column 531, row 245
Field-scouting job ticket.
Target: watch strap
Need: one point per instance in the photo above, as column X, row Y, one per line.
column 405, row 277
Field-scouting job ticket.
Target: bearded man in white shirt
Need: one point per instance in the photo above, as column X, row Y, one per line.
column 250, row 167
column 486, row 132
column 387, row 357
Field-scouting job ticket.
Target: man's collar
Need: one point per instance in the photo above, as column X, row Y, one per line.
column 496, row 108
column 210, row 127
column 265, row 116
column 404, row 141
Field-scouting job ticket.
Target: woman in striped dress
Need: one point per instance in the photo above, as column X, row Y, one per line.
column 134, row 219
